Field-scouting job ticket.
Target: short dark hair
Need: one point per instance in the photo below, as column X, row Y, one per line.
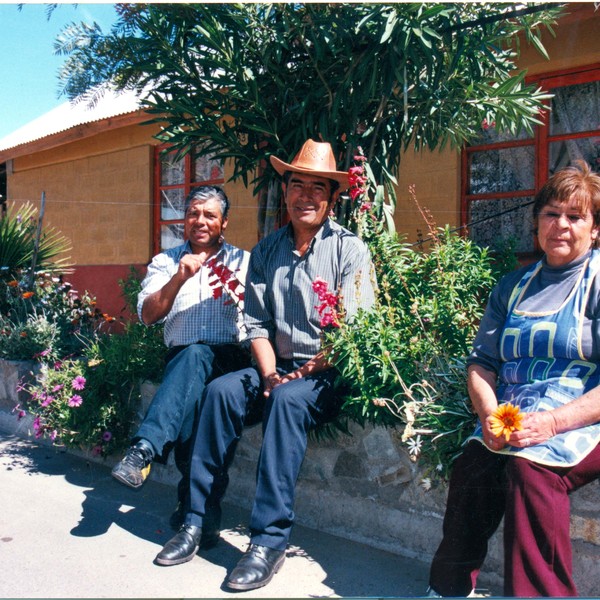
column 203, row 193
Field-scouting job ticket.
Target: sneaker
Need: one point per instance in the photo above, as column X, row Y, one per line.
column 134, row 469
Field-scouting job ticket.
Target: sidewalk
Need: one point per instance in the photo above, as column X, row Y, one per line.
column 69, row 530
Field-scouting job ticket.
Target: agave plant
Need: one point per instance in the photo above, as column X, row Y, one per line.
column 18, row 239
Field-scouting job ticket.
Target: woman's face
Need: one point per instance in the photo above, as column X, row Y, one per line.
column 565, row 233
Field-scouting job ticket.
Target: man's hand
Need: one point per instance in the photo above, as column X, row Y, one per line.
column 190, row 264
column 269, row 382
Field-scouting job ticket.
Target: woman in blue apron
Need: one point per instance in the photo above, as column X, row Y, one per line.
column 538, row 347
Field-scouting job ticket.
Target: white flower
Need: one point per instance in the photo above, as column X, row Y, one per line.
column 414, row 446
column 426, row 483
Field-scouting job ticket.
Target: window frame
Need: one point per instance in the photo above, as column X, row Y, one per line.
column 187, row 185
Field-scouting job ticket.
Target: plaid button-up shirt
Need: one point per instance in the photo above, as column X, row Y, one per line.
column 196, row 316
column 280, row 302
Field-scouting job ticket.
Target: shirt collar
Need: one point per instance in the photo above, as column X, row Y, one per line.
column 324, row 231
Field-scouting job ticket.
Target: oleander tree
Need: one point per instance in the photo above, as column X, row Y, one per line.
column 249, row 80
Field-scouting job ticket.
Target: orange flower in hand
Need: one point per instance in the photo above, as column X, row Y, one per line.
column 506, row 419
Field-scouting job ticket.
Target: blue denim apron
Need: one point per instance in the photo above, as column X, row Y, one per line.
column 544, row 367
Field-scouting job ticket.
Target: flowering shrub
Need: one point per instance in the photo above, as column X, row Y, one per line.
column 404, row 359
column 51, row 318
column 89, row 399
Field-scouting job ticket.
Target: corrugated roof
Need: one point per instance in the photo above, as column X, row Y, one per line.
column 72, row 114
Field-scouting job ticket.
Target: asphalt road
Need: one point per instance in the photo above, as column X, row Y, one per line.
column 69, row 530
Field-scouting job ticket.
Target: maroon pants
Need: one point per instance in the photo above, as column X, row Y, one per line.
column 534, row 499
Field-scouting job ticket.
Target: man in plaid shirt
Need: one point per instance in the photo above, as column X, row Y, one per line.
column 195, row 289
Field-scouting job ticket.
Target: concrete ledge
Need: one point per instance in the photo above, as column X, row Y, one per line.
column 365, row 488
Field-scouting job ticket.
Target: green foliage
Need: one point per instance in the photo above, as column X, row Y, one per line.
column 49, row 318
column 403, row 360
column 18, row 232
column 248, row 80
column 113, row 365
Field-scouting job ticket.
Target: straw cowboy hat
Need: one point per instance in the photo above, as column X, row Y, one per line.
column 314, row 158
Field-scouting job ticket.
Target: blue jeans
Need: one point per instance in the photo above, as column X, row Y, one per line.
column 172, row 414
column 289, row 412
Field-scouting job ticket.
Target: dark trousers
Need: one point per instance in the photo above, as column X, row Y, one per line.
column 289, row 412
column 534, row 500
column 172, row 414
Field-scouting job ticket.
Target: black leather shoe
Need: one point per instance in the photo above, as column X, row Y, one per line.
column 211, row 527
column 180, row 548
column 256, row 568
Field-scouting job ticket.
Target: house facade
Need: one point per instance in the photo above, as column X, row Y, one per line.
column 118, row 198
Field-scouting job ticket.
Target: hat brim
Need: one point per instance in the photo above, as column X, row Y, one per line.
column 340, row 176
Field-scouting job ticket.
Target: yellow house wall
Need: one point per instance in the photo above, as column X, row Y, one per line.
column 436, row 175
column 99, row 194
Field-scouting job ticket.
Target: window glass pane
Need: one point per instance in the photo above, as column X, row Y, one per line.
column 171, row 204
column 492, row 223
column 565, row 152
column 575, row 108
column 171, row 235
column 206, row 168
column 504, row 170
column 172, row 172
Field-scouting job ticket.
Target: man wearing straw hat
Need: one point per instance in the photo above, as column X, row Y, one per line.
column 292, row 381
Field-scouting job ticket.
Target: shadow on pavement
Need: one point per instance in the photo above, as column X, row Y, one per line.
column 350, row 569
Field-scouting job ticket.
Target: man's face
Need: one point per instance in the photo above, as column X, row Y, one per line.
column 308, row 200
column 204, row 224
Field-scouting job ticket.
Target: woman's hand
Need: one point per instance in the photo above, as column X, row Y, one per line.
column 489, row 437
column 537, row 428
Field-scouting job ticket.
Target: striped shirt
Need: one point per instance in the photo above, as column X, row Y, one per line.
column 196, row 316
column 280, row 302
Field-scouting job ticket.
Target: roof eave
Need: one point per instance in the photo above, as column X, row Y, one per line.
column 76, row 133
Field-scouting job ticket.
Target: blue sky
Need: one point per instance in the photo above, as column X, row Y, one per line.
column 28, row 66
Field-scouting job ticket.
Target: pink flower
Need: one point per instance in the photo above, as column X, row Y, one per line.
column 57, row 388
column 365, row 206
column 329, row 301
column 54, row 434
column 328, row 319
column 97, row 450
column 355, row 192
column 75, row 401
column 78, row 383
column 319, row 286
column 47, row 400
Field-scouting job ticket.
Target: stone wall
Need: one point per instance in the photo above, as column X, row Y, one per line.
column 365, row 488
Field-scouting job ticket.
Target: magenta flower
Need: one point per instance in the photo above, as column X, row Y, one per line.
column 106, row 436
column 319, row 286
column 57, row 388
column 75, row 401
column 78, row 383
column 47, row 400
